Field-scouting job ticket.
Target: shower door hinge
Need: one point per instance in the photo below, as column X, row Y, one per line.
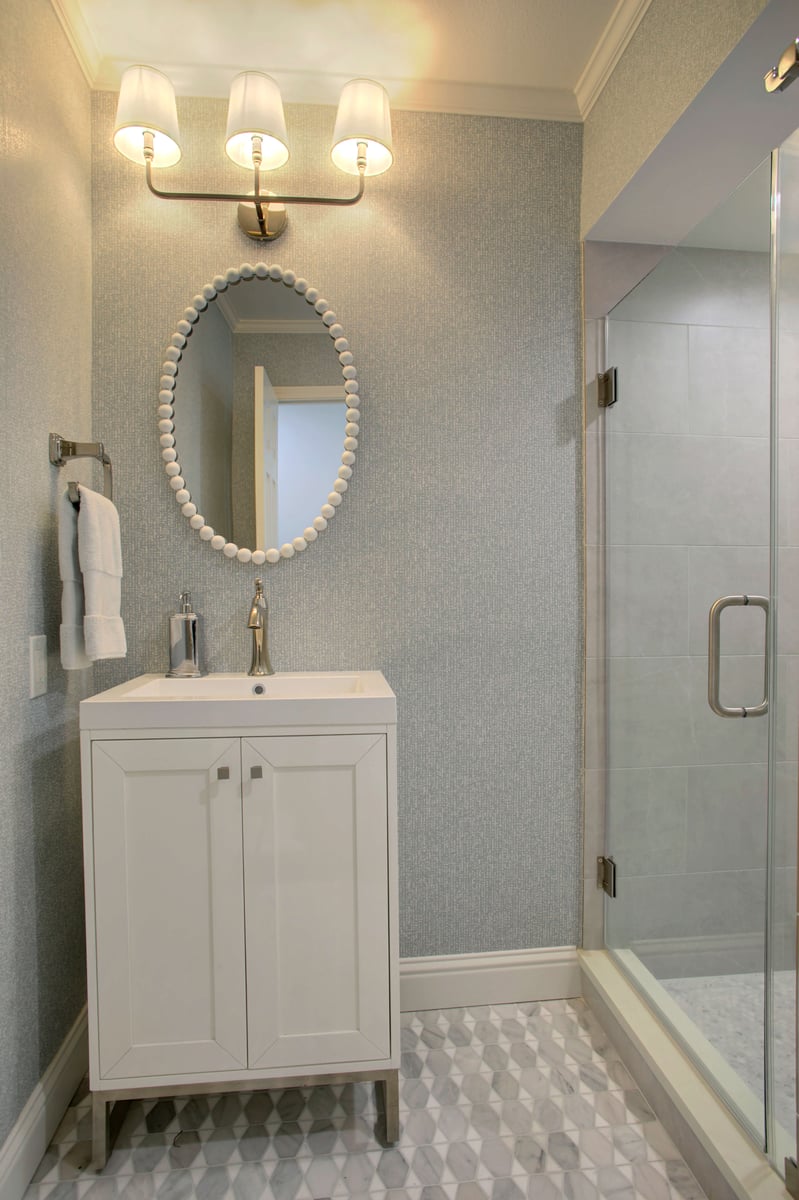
column 606, row 875
column 606, row 388
column 791, row 1177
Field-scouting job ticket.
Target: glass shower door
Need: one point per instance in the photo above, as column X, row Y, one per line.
column 688, row 522
column 784, row 749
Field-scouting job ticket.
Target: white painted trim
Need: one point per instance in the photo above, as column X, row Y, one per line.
column 624, row 20
column 454, row 980
column 276, row 325
column 238, row 324
column 80, row 38
column 410, row 95
column 33, row 1130
column 310, row 395
column 484, row 100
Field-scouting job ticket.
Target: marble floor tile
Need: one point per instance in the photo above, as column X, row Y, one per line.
column 728, row 1010
column 507, row 1102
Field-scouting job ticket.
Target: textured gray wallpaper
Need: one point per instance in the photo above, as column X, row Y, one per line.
column 453, row 564
column 671, row 56
column 45, row 364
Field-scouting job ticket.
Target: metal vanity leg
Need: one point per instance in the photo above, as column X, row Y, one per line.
column 389, row 1088
column 107, row 1118
column 100, row 1131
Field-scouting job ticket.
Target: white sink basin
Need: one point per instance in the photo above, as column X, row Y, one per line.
column 222, row 701
column 300, row 686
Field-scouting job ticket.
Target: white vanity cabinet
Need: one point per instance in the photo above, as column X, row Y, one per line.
column 241, row 903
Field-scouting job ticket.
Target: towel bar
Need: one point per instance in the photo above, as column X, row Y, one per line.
column 61, row 450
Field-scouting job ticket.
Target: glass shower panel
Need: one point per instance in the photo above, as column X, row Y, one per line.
column 784, row 782
column 687, row 523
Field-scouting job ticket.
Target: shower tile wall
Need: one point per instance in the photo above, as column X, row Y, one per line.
column 688, row 521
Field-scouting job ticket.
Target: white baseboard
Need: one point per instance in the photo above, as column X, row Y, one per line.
column 455, row 980
column 32, row 1132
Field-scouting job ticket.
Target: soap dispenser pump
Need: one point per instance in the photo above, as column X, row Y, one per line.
column 183, row 642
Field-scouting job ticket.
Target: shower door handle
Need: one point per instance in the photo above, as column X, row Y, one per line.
column 714, row 656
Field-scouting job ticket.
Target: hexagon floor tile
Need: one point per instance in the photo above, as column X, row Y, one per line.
column 509, row 1102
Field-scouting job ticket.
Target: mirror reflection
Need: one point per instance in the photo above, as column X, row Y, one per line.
column 259, row 414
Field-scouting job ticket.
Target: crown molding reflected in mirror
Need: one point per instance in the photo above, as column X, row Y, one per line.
column 170, row 413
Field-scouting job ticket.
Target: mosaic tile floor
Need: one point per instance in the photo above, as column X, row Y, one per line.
column 501, row 1103
column 728, row 1009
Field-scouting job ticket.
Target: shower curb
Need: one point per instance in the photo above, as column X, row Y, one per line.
column 727, row 1165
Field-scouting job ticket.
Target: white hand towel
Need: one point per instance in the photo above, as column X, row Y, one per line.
column 100, row 558
column 73, row 648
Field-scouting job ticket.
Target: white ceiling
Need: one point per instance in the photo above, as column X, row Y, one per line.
column 545, row 59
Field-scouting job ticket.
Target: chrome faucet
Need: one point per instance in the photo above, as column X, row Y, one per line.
column 257, row 622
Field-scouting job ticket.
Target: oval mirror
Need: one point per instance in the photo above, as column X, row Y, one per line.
column 258, row 415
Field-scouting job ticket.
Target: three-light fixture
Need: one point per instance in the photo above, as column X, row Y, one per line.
column 146, row 131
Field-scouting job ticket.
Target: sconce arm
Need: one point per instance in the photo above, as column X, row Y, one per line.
column 252, row 199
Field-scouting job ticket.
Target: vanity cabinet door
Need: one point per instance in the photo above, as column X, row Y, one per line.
column 316, row 899
column 169, row 906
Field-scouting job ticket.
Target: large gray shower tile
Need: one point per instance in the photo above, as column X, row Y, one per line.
column 659, row 715
column 685, row 490
column 723, row 571
column 788, row 707
column 728, row 370
column 703, row 904
column 699, row 286
column 652, row 363
column 648, row 589
column 788, row 582
column 789, row 492
column 646, row 819
column 726, row 809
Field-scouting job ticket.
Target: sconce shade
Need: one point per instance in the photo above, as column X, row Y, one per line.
column 363, row 116
column 147, row 103
column 255, row 107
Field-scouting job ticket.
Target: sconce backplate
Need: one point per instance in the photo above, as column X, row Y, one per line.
column 276, row 222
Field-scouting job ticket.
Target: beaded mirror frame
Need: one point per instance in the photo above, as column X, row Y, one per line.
column 168, row 401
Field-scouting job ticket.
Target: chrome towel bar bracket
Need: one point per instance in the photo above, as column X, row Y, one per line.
column 62, row 450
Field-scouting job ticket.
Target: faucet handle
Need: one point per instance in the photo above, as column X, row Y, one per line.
column 257, row 617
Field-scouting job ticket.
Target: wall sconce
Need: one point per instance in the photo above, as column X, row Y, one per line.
column 146, row 131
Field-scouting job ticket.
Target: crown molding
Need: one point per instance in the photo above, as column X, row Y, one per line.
column 624, row 21
column 411, row 95
column 277, row 325
column 238, row 324
column 485, row 100
column 79, row 37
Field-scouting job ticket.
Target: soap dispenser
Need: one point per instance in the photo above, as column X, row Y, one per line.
column 183, row 642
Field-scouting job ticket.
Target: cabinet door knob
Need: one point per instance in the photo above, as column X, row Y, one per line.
column 256, row 772
column 223, row 772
